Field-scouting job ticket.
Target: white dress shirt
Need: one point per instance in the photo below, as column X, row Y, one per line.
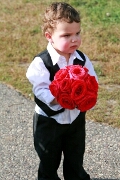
column 38, row 76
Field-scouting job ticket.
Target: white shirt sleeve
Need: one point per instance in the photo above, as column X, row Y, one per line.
column 89, row 66
column 38, row 76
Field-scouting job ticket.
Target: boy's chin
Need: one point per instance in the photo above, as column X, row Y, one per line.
column 72, row 51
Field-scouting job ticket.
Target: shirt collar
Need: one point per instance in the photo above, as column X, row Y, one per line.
column 76, row 55
column 56, row 57
column 53, row 53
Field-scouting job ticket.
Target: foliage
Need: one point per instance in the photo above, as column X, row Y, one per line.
column 21, row 39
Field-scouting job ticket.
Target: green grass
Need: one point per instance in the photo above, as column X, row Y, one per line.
column 21, row 39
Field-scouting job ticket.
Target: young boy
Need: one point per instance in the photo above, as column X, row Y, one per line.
column 57, row 131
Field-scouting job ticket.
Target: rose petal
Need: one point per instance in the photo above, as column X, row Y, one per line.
column 54, row 88
column 65, row 101
column 91, row 83
column 77, row 72
column 78, row 89
column 61, row 74
column 87, row 102
column 65, row 85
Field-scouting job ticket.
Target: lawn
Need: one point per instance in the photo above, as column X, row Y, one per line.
column 21, row 39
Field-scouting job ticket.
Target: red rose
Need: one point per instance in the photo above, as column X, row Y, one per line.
column 65, row 85
column 54, row 88
column 78, row 89
column 65, row 101
column 73, row 86
column 61, row 74
column 87, row 102
column 77, row 72
column 91, row 83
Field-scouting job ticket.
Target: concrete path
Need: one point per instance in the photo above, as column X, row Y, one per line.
column 18, row 160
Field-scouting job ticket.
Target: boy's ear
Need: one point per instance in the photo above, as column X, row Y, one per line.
column 48, row 36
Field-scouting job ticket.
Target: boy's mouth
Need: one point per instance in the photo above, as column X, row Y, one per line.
column 74, row 46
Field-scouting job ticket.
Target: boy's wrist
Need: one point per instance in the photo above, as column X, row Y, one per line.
column 54, row 102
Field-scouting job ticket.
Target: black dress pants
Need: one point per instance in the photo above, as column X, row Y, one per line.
column 51, row 139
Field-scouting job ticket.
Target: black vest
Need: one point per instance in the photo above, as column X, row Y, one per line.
column 52, row 70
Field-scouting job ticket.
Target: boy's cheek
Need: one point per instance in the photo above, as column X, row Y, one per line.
column 65, row 45
column 62, row 45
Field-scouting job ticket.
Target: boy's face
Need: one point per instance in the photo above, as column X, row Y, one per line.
column 65, row 38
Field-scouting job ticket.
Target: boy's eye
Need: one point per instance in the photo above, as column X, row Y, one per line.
column 66, row 35
column 78, row 33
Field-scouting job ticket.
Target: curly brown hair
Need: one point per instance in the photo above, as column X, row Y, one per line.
column 59, row 11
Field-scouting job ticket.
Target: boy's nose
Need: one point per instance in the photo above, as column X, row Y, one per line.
column 74, row 39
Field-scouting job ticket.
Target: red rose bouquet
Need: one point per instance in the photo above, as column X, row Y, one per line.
column 73, row 88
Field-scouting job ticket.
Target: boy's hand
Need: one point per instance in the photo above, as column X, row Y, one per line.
column 54, row 102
